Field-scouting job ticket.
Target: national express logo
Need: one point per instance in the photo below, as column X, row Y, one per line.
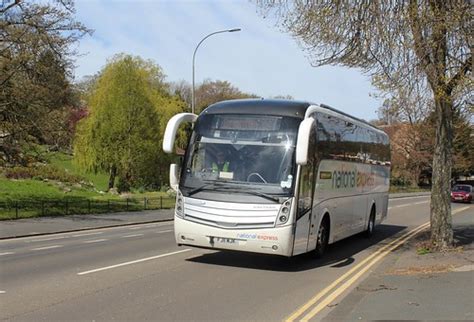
column 348, row 178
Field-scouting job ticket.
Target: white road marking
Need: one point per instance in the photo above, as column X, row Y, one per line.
column 164, row 231
column 149, row 226
column 134, row 235
column 94, row 241
column 2, row 292
column 409, row 204
column 6, row 253
column 47, row 247
column 87, row 234
column 133, row 262
column 166, row 223
column 45, row 239
column 455, row 211
column 135, row 228
column 394, row 199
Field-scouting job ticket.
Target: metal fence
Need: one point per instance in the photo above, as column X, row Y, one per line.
column 15, row 209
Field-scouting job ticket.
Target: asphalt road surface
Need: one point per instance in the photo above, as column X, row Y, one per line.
column 138, row 273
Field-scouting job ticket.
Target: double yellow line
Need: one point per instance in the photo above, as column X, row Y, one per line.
column 315, row 307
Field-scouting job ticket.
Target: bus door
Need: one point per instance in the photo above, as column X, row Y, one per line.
column 305, row 201
column 305, row 205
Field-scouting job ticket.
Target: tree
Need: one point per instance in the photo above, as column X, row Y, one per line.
column 411, row 152
column 393, row 39
column 35, row 67
column 209, row 92
column 463, row 140
column 123, row 132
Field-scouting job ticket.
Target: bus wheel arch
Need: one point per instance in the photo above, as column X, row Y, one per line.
column 323, row 235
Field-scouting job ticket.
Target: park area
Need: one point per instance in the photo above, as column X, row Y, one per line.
column 56, row 187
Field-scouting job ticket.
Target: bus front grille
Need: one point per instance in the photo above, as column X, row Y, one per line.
column 230, row 225
column 230, row 215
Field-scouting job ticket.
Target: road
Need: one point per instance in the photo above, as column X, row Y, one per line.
column 138, row 273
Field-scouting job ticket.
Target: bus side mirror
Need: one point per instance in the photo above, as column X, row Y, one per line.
column 172, row 128
column 174, row 176
column 302, row 145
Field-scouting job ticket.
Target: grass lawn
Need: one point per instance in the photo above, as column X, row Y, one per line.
column 36, row 189
column 31, row 198
column 64, row 161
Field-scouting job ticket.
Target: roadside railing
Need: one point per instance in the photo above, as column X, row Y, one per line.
column 16, row 209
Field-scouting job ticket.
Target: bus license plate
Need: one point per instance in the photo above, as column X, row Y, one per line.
column 222, row 240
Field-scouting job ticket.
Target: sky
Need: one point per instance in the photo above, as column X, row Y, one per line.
column 260, row 59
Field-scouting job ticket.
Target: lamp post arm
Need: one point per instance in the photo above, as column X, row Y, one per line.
column 193, row 98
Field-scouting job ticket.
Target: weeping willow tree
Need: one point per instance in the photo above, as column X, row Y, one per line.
column 128, row 109
column 403, row 41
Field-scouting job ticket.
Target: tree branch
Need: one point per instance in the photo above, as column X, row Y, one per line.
column 419, row 45
column 454, row 81
column 15, row 3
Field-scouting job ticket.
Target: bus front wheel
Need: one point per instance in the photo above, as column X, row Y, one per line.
column 323, row 238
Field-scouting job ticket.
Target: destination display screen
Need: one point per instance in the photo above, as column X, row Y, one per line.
column 243, row 123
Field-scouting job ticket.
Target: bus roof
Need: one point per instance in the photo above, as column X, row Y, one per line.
column 271, row 107
column 259, row 106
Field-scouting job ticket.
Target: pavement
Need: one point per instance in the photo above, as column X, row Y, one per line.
column 60, row 224
column 411, row 285
column 137, row 272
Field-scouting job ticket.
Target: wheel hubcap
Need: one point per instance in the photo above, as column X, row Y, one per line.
column 322, row 236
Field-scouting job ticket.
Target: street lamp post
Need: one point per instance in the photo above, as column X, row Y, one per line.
column 193, row 97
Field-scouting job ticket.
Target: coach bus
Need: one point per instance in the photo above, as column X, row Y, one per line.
column 277, row 176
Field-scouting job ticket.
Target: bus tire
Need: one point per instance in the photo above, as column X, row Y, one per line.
column 369, row 232
column 323, row 238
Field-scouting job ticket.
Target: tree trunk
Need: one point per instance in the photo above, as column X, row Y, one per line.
column 113, row 174
column 440, row 217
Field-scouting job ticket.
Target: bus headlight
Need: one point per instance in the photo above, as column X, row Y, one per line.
column 284, row 212
column 179, row 208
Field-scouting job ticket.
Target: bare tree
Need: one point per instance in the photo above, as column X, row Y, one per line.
column 430, row 38
column 208, row 92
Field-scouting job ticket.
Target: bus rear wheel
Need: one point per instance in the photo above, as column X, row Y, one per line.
column 323, row 239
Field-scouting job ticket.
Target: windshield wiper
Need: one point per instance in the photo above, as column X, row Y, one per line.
column 221, row 187
column 261, row 194
column 207, row 186
column 251, row 192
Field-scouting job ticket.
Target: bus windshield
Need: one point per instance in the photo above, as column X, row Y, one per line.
column 244, row 152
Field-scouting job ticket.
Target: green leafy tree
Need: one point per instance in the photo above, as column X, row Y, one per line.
column 35, row 66
column 395, row 39
column 123, row 131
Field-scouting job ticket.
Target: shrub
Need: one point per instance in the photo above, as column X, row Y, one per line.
column 20, row 173
column 42, row 172
column 400, row 181
column 123, row 185
column 171, row 193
